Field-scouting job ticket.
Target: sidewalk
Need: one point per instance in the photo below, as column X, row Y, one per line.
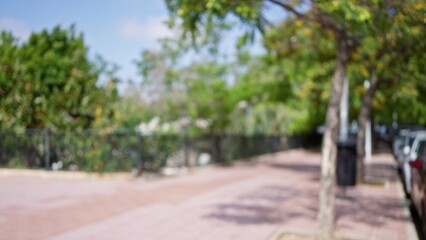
column 249, row 201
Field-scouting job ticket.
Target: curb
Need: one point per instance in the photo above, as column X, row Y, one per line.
column 275, row 234
column 62, row 174
column 264, row 158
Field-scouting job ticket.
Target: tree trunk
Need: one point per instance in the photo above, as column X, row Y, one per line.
column 364, row 115
column 326, row 211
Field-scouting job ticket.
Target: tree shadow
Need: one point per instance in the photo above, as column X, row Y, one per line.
column 371, row 210
column 298, row 167
column 380, row 172
column 262, row 206
column 312, row 170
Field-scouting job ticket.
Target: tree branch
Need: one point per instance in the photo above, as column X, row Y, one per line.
column 326, row 22
column 319, row 16
column 288, row 8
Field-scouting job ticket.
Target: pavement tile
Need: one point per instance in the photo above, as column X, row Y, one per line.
column 247, row 201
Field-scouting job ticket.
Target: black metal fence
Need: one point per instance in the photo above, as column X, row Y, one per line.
column 90, row 150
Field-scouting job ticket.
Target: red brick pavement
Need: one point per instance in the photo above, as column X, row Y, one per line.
column 247, row 201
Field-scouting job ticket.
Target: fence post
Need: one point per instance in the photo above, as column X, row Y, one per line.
column 1, row 146
column 139, row 163
column 217, row 148
column 46, row 148
column 186, row 148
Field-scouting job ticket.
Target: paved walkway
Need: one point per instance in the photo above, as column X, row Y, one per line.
column 249, row 201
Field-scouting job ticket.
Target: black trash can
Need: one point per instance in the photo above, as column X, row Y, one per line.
column 346, row 163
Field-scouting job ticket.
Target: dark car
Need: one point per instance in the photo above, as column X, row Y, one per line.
column 418, row 184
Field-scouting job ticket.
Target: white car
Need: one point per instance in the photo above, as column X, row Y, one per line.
column 410, row 153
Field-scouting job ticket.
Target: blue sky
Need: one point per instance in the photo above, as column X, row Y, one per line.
column 118, row 30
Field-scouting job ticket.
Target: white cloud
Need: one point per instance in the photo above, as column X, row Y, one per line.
column 152, row 29
column 19, row 28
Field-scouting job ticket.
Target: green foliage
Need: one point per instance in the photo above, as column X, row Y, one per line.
column 48, row 81
column 75, row 149
column 208, row 95
column 207, row 16
column 197, row 91
column 290, row 85
column 129, row 112
column 348, row 13
column 305, row 59
column 301, row 55
column 393, row 51
column 10, row 70
column 21, row 149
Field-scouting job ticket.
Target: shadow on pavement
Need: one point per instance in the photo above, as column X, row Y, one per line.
column 265, row 205
column 374, row 211
column 311, row 169
column 303, row 167
column 262, row 206
column 380, row 172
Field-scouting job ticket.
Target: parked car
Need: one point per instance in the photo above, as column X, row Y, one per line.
column 400, row 140
column 409, row 153
column 418, row 184
column 394, row 132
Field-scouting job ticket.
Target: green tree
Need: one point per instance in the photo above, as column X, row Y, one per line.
column 49, row 81
column 131, row 109
column 197, row 90
column 391, row 55
column 10, row 69
column 306, row 60
column 346, row 22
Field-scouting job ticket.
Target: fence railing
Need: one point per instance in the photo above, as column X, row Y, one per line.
column 90, row 150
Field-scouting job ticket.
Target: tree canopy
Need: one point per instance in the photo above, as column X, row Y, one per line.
column 343, row 25
column 49, row 81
